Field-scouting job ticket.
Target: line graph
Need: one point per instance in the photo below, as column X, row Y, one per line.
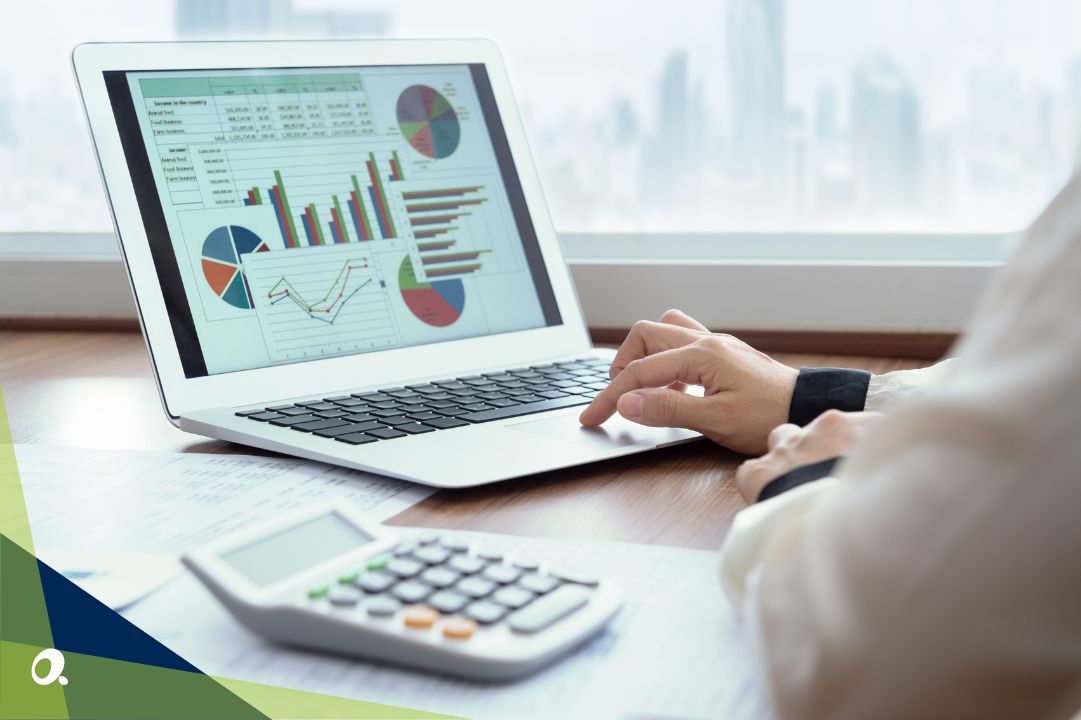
column 327, row 308
column 320, row 302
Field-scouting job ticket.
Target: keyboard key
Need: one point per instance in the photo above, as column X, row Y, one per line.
column 445, row 423
column 295, row 420
column 427, row 538
column 432, row 555
column 349, row 402
column 424, row 415
column 278, row 408
column 473, row 407
column 344, row 596
column 411, row 592
column 485, row 612
column 334, row 432
column 264, row 416
column 415, row 428
column 513, row 597
column 404, row 567
column 385, row 408
column 452, row 412
column 551, row 393
column 404, row 548
column 331, row 413
column 525, row 408
column 439, row 577
column 503, row 402
column 317, row 405
column 294, row 410
column 487, row 552
column 396, row 420
column 360, row 417
column 537, row 583
column 438, row 404
column 474, row 587
column 577, row 390
column 356, row 438
column 420, row 617
column 374, row 582
column 318, row 424
column 502, row 574
column 549, row 609
column 413, row 401
column 466, row 564
column 448, row 601
column 382, row 606
column 370, row 396
column 386, row 433
column 424, row 389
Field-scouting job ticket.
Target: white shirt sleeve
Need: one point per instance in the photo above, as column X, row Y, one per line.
column 887, row 391
column 937, row 575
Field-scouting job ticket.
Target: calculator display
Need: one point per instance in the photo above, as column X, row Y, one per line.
column 276, row 557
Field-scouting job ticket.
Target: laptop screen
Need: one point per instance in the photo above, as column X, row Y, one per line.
column 297, row 214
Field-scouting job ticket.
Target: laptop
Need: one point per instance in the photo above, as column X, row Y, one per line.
column 341, row 251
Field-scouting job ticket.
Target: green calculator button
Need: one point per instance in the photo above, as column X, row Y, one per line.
column 318, row 592
column 378, row 563
column 348, row 579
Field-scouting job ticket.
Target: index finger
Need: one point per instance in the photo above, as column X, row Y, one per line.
column 647, row 338
column 657, row 370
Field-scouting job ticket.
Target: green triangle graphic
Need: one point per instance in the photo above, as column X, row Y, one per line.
column 102, row 688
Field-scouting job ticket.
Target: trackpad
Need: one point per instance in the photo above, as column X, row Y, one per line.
column 617, row 432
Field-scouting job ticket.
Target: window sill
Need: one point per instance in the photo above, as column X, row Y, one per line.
column 791, row 282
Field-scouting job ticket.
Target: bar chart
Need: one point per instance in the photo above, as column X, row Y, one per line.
column 320, row 205
column 435, row 216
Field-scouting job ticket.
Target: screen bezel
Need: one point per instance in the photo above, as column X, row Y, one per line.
column 181, row 394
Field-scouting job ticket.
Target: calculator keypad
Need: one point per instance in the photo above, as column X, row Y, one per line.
column 445, row 581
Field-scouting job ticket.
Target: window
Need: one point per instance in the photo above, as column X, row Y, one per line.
column 735, row 115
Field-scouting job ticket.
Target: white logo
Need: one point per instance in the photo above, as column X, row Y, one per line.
column 56, row 666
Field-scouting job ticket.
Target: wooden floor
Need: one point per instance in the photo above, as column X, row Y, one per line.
column 95, row 389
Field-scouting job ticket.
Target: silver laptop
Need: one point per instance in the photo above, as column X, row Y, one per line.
column 341, row 250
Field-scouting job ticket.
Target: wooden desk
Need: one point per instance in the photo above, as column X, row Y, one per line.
column 95, row 390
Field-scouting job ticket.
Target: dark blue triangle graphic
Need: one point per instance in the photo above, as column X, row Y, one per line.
column 83, row 624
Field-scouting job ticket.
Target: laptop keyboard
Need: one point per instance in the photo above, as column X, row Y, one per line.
column 395, row 412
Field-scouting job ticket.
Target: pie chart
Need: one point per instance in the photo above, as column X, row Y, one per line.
column 438, row 303
column 428, row 122
column 221, row 263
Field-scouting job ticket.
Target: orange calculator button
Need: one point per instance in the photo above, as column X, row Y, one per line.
column 459, row 628
column 420, row 616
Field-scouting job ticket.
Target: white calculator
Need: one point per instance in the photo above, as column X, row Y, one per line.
column 326, row 578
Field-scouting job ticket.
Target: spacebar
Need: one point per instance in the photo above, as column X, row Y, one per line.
column 525, row 408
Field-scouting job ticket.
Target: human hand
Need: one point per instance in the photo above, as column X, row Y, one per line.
column 830, row 435
column 746, row 393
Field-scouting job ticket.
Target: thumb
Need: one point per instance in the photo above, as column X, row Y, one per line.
column 662, row 407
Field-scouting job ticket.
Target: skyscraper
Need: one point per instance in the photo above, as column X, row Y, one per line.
column 667, row 151
column 262, row 18
column 885, row 137
column 755, row 43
